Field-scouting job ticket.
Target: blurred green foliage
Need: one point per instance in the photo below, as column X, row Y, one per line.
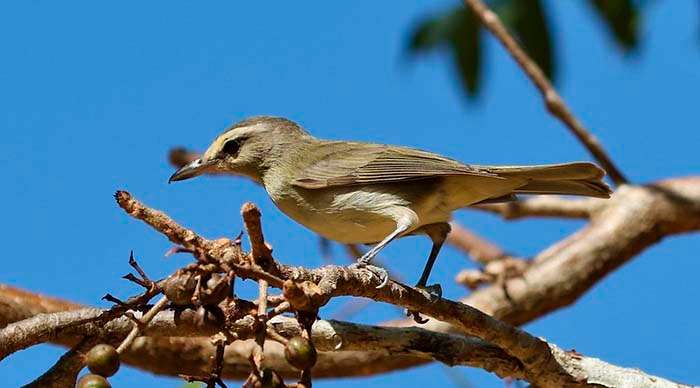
column 460, row 32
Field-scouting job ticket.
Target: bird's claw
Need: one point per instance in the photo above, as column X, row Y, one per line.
column 435, row 293
column 416, row 316
column 434, row 290
column 379, row 272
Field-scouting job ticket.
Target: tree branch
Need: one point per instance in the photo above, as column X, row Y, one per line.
column 66, row 326
column 65, row 371
column 540, row 366
column 334, row 335
column 327, row 336
column 553, row 101
column 653, row 211
column 635, row 218
column 142, row 322
column 480, row 249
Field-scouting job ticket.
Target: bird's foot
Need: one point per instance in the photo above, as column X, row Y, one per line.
column 379, row 272
column 416, row 316
column 434, row 292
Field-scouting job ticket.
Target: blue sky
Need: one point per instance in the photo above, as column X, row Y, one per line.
column 94, row 95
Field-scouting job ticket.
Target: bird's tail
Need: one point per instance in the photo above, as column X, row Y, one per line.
column 578, row 178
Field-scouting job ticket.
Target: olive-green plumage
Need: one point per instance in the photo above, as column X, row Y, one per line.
column 356, row 192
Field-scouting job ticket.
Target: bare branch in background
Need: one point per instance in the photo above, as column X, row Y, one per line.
column 634, row 219
column 477, row 247
column 496, row 265
column 65, row 371
column 555, row 104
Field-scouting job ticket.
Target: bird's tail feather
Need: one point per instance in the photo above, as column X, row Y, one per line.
column 588, row 188
column 578, row 178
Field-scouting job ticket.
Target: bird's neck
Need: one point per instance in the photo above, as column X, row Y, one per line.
column 287, row 160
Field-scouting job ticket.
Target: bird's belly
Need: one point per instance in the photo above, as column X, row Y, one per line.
column 349, row 228
column 347, row 216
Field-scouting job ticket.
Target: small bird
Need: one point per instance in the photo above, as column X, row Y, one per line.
column 354, row 192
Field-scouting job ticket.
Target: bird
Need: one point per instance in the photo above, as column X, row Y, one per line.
column 366, row 193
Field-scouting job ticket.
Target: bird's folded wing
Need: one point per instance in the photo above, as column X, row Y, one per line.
column 347, row 164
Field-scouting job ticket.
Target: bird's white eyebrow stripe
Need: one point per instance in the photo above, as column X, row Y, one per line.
column 258, row 127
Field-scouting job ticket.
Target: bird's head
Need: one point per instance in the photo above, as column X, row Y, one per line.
column 246, row 148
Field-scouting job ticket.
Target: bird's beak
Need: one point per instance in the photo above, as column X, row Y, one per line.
column 190, row 170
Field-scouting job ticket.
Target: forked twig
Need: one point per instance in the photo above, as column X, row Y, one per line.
column 143, row 322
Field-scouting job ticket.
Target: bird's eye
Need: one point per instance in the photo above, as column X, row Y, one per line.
column 231, row 147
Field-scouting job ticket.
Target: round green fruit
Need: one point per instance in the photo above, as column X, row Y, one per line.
column 93, row 381
column 300, row 353
column 102, row 360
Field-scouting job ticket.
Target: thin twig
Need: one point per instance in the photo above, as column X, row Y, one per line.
column 143, row 323
column 137, row 267
column 218, row 366
column 260, row 335
column 553, row 101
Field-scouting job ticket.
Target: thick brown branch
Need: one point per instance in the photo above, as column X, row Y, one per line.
column 404, row 345
column 539, row 365
column 555, row 104
column 635, row 218
column 17, row 304
column 67, row 326
column 327, row 336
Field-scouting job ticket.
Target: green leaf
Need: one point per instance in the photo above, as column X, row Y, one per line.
column 433, row 32
column 466, row 46
column 622, row 19
column 528, row 23
column 427, row 36
column 458, row 30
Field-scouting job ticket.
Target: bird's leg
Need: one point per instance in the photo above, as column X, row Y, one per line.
column 381, row 273
column 437, row 233
column 433, row 289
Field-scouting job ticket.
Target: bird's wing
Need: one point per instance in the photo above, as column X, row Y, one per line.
column 348, row 164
